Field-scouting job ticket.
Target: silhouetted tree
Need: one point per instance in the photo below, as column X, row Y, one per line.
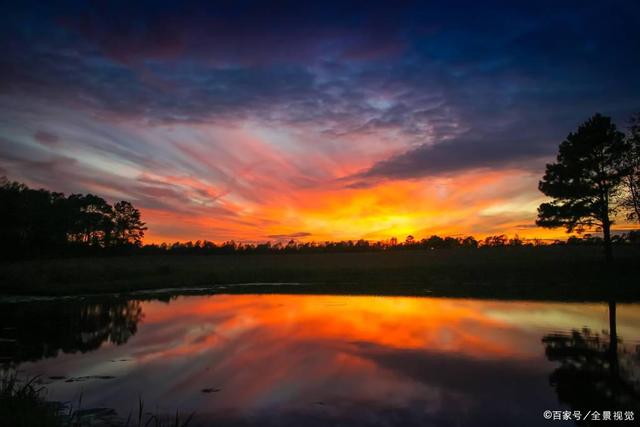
column 493, row 241
column 633, row 237
column 631, row 200
column 450, row 242
column 434, row 242
column 39, row 222
column 516, row 241
column 469, row 242
column 128, row 228
column 31, row 221
column 91, row 220
column 585, row 179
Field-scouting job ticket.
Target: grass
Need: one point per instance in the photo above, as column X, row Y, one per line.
column 23, row 404
column 145, row 419
column 551, row 272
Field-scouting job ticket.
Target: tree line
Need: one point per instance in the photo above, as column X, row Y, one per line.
column 205, row 247
column 43, row 223
column 40, row 222
column 596, row 178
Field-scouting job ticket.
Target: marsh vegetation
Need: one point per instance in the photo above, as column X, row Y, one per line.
column 546, row 272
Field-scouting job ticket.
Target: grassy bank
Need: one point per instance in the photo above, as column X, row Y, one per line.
column 23, row 404
column 560, row 272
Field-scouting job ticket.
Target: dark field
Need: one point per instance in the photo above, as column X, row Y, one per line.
column 553, row 272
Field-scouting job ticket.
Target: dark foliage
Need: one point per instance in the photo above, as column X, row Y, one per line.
column 22, row 404
column 205, row 247
column 586, row 179
column 39, row 330
column 631, row 200
column 40, row 222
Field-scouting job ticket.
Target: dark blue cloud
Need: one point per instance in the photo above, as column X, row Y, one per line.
column 472, row 84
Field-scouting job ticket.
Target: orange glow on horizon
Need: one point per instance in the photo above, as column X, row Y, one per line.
column 479, row 204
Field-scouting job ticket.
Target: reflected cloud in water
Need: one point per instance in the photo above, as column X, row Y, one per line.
column 287, row 359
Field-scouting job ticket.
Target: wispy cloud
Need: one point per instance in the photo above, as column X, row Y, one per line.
column 223, row 121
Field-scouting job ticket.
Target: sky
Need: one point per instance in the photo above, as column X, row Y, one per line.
column 255, row 121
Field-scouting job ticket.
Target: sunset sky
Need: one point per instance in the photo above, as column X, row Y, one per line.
column 326, row 120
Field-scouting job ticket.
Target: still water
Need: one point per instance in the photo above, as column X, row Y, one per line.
column 330, row 360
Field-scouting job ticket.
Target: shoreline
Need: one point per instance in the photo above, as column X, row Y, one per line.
column 481, row 292
column 559, row 274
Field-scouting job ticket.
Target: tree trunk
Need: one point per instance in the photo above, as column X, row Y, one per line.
column 613, row 340
column 606, row 230
column 635, row 195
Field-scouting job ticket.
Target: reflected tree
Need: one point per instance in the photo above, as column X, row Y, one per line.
column 35, row 331
column 596, row 372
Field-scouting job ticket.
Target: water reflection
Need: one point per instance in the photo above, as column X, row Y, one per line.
column 596, row 371
column 40, row 330
column 318, row 360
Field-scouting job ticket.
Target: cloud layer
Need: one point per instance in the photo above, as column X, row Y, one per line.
column 244, row 121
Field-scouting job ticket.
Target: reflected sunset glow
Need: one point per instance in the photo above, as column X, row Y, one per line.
column 285, row 353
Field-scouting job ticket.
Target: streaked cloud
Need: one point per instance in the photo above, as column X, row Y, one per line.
column 343, row 120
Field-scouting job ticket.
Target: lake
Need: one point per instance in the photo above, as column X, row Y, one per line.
column 269, row 360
